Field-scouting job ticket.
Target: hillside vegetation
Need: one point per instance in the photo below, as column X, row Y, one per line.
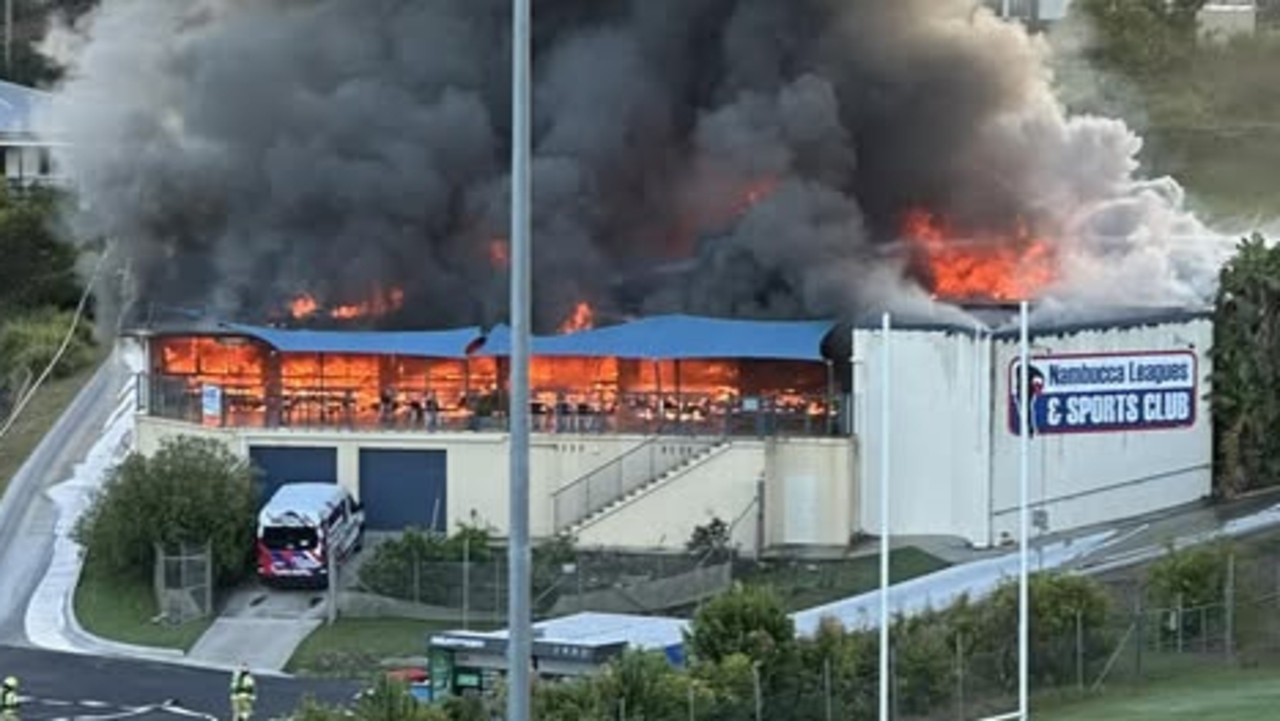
column 1207, row 109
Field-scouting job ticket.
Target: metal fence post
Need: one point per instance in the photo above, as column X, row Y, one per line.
column 1080, row 650
column 417, row 578
column 692, row 703
column 1229, row 593
column 1140, row 619
column 1178, row 624
column 755, row 675
column 826, row 683
column 332, row 557
column 959, row 676
column 466, row 582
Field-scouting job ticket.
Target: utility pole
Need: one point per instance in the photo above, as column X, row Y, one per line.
column 885, row 449
column 519, row 634
column 1024, row 471
column 8, row 39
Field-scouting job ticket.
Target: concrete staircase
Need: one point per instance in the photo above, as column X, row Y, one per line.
column 628, row 476
column 618, row 503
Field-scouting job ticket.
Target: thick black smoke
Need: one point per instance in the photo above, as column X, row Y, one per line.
column 241, row 152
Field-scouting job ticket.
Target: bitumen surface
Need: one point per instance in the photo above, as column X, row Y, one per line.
column 27, row 526
column 56, row 685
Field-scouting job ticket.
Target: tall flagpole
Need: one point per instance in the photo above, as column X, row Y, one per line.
column 884, row 516
column 520, row 646
column 1024, row 447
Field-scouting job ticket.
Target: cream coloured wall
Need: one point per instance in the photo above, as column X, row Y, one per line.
column 724, row 485
column 477, row 463
column 811, row 492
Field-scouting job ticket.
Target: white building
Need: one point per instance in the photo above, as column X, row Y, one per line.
column 1121, row 423
column 25, row 147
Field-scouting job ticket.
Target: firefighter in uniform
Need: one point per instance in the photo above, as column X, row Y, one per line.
column 243, row 694
column 9, row 699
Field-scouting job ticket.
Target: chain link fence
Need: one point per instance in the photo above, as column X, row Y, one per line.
column 958, row 674
column 183, row 581
column 474, row 593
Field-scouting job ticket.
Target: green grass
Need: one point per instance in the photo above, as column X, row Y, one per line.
column 1205, row 695
column 354, row 647
column 804, row 584
column 38, row 418
column 121, row 609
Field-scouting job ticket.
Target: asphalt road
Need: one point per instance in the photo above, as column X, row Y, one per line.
column 71, row 686
column 27, row 525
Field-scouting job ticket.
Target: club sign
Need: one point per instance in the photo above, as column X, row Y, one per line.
column 1107, row 392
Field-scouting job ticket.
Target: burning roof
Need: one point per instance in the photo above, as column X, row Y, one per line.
column 324, row 164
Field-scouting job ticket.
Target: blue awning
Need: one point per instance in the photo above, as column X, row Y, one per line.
column 678, row 337
column 422, row 344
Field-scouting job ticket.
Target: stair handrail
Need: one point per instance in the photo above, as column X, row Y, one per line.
column 561, row 520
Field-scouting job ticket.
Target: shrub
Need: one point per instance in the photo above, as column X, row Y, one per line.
column 390, row 700
column 424, row 567
column 1058, row 601
column 192, row 491
column 744, row 620
column 1193, row 578
column 1190, row 577
column 710, row 541
column 29, row 342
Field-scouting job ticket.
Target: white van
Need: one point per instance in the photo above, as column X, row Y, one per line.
column 301, row 525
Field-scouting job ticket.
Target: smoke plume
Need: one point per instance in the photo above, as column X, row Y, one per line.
column 239, row 153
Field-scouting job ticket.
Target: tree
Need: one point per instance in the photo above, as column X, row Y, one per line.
column 1141, row 37
column 1246, row 370
column 747, row 626
column 39, row 269
column 192, row 491
column 745, row 620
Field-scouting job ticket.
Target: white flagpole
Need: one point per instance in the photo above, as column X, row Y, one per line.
column 885, row 362
column 1024, row 447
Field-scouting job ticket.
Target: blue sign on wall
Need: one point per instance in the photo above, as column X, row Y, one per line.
column 1103, row 393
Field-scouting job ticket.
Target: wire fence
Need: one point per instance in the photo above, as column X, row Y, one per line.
column 474, row 593
column 962, row 663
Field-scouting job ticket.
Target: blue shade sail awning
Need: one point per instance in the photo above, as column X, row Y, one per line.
column 678, row 337
column 422, row 344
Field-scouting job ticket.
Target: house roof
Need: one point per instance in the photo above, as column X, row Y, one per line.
column 681, row 337
column 1001, row 321
column 424, row 344
column 604, row 629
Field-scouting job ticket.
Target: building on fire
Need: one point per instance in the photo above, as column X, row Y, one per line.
column 644, row 430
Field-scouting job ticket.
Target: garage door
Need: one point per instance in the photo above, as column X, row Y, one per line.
column 404, row 489
column 278, row 465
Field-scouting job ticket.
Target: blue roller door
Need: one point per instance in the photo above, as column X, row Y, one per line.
column 278, row 465
column 404, row 489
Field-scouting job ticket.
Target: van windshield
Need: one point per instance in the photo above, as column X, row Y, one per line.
column 288, row 538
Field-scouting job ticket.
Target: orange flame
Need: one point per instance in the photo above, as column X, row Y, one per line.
column 305, row 306
column 379, row 304
column 1011, row 267
column 582, row 318
column 753, row 194
column 499, row 253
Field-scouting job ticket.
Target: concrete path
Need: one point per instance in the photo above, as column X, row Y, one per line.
column 261, row 627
